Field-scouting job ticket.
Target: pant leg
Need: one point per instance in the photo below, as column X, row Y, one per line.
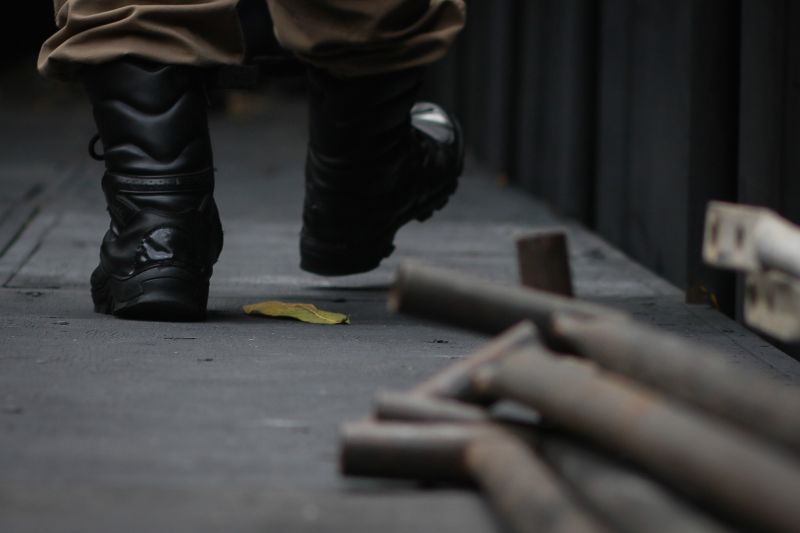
column 365, row 37
column 188, row 32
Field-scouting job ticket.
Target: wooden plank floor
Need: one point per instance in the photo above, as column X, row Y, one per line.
column 231, row 425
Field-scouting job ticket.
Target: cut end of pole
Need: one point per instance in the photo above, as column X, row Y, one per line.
column 394, row 299
column 393, row 302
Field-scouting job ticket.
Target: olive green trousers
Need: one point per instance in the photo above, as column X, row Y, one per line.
column 344, row 37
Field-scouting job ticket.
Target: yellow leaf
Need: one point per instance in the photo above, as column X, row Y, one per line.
column 303, row 312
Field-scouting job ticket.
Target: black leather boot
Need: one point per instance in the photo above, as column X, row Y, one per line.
column 165, row 235
column 375, row 162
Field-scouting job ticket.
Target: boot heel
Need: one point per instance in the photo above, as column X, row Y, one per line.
column 170, row 294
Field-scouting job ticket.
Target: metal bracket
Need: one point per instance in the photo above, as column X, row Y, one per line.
column 758, row 241
column 772, row 304
column 749, row 238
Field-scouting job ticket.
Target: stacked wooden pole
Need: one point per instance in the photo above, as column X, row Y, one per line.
column 642, row 431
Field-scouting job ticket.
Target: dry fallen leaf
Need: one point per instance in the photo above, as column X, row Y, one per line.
column 299, row 311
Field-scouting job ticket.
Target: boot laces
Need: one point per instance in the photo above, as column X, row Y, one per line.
column 93, row 153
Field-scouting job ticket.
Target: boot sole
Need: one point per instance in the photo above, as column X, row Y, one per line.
column 161, row 293
column 326, row 260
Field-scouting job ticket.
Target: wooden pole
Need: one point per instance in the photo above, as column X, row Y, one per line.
column 691, row 372
column 523, row 490
column 698, row 454
column 455, row 381
column 627, row 500
column 477, row 305
column 623, row 497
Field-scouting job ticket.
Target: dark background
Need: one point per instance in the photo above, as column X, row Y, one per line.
column 628, row 115
column 24, row 27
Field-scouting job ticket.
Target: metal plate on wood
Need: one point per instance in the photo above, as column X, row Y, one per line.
column 544, row 261
column 772, row 305
column 750, row 239
column 728, row 241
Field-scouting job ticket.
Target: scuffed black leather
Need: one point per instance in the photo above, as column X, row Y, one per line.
column 159, row 178
column 372, row 155
column 173, row 222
